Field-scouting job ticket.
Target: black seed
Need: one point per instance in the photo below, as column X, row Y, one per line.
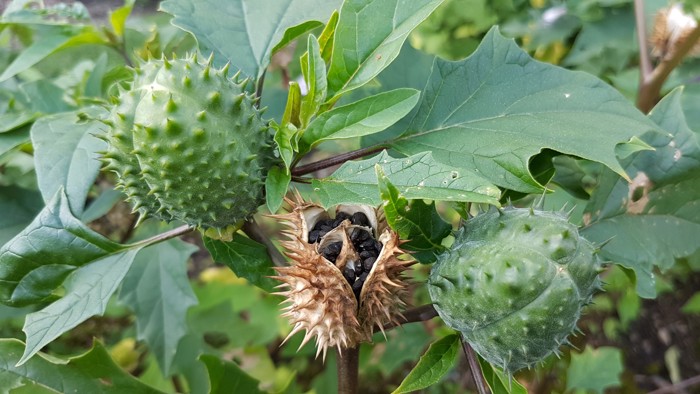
column 355, row 235
column 349, row 274
column 368, row 262
column 342, row 216
column 378, row 246
column 326, row 228
column 337, row 222
column 322, row 234
column 335, row 247
column 359, row 219
column 314, row 236
column 363, row 236
column 357, row 286
column 318, row 225
column 363, row 277
column 366, row 253
column 368, row 244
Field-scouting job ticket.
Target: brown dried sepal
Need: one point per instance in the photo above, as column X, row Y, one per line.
column 321, row 300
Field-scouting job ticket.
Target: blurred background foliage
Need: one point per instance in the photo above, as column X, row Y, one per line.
column 81, row 49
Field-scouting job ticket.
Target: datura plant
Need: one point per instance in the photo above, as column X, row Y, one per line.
column 354, row 180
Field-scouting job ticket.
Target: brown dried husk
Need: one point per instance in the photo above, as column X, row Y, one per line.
column 321, row 301
column 672, row 28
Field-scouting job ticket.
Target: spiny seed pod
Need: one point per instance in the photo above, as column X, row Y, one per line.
column 345, row 276
column 514, row 283
column 187, row 143
column 672, row 28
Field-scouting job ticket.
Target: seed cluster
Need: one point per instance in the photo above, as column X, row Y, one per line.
column 355, row 272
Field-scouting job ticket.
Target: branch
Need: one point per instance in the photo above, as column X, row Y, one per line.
column 348, row 370
column 421, row 313
column 678, row 386
column 650, row 88
column 645, row 66
column 174, row 233
column 475, row 368
column 253, row 230
column 335, row 160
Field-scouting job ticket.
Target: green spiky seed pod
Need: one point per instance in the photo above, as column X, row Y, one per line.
column 188, row 143
column 514, row 283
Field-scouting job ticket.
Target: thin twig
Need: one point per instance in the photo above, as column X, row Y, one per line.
column 348, row 370
column 650, row 88
column 475, row 368
column 253, row 230
column 645, row 66
column 695, row 380
column 174, row 233
column 335, row 160
column 420, row 313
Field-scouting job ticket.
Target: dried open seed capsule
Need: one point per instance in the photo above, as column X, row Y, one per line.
column 335, row 297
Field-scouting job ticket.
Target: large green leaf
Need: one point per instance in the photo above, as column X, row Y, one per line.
column 365, row 43
column 659, row 209
column 595, row 369
column 18, row 206
column 492, row 112
column 417, row 177
column 316, row 84
column 88, row 290
column 91, row 372
column 35, row 262
column 226, row 377
column 433, row 364
column 54, row 39
column 246, row 258
column 66, row 155
column 157, row 289
column 13, row 139
column 415, row 221
column 245, row 32
column 363, row 117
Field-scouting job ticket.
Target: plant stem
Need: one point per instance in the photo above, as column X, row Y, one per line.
column 174, row 233
column 348, row 370
column 259, row 88
column 420, row 313
column 335, row 160
column 253, row 230
column 645, row 66
column 650, row 87
column 475, row 368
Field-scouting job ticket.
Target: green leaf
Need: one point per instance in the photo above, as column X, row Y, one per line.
column 13, row 139
column 66, row 155
column 246, row 258
column 416, row 221
column 18, row 206
column 276, row 185
column 59, row 37
column 117, row 18
column 294, row 32
column 433, row 365
column 93, row 85
column 492, row 112
column 326, row 39
column 285, row 139
column 595, row 369
column 12, row 120
column 316, row 84
column 45, row 97
column 659, row 209
column 244, row 32
column 417, row 177
column 88, row 290
column 157, row 289
column 91, row 372
column 101, row 205
column 367, row 116
column 498, row 381
column 35, row 262
column 693, row 305
column 293, row 107
column 226, row 377
column 360, row 60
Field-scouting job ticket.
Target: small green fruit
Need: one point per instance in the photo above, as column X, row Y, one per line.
column 514, row 283
column 188, row 144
